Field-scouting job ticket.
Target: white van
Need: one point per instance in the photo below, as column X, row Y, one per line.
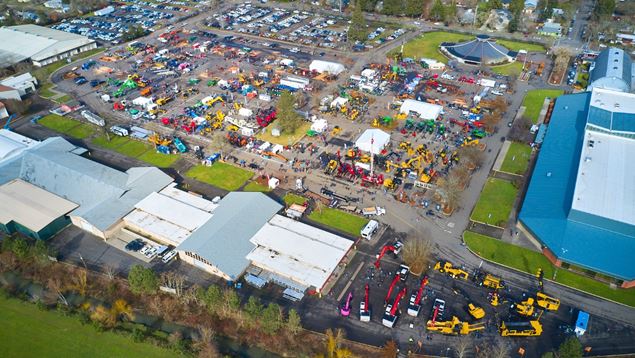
column 169, row 256
column 370, row 229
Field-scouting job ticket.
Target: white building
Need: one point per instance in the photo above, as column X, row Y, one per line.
column 24, row 83
column 423, row 109
column 40, row 45
column 432, row 64
column 332, row 68
column 105, row 11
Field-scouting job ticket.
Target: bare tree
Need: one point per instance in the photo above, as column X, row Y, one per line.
column 390, row 349
column 174, row 281
column 562, row 55
column 56, row 285
column 464, row 346
column 500, row 348
column 519, row 131
column 205, row 345
column 471, row 155
column 450, row 189
column 417, row 252
column 110, row 272
column 221, row 144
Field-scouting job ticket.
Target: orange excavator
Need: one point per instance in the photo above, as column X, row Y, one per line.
column 364, row 308
column 392, row 310
column 414, row 306
column 396, row 248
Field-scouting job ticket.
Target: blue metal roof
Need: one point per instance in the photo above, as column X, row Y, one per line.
column 547, row 202
column 104, row 194
column 612, row 69
column 224, row 239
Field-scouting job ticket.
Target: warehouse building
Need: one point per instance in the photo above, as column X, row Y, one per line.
column 24, row 83
column 103, row 195
column 40, row 45
column 580, row 203
column 12, row 144
column 169, row 216
column 612, row 69
column 245, row 234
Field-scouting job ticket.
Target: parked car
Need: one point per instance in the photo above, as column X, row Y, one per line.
column 134, row 245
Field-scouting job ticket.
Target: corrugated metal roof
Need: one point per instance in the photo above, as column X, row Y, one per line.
column 104, row 194
column 224, row 239
column 37, row 42
column 548, row 199
column 612, row 69
column 31, row 206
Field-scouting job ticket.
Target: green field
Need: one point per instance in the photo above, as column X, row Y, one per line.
column 534, row 100
column 495, row 203
column 291, row 198
column 508, row 69
column 67, row 126
column 529, row 261
column 427, row 45
column 337, row 219
column 517, row 46
column 28, row 332
column 136, row 149
column 517, row 158
column 256, row 187
column 221, row 175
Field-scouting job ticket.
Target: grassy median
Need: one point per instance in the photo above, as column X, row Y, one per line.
column 340, row 220
column 220, row 175
column 136, row 149
column 535, row 99
column 529, row 261
column 495, row 203
column 67, row 126
column 516, row 159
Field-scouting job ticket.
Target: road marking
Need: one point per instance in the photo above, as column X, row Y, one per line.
column 339, row 298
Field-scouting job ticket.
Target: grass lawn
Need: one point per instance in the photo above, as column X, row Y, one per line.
column 291, row 198
column 529, row 261
column 158, row 159
column 45, row 90
column 221, row 175
column 337, row 219
column 517, row 158
column 284, row 138
column 517, row 46
column 257, row 187
column 534, row 99
column 65, row 98
column 505, row 70
column 495, row 203
column 136, row 149
column 427, row 45
column 68, row 126
column 59, row 336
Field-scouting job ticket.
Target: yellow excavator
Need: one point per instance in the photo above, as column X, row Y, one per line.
column 475, row 311
column 331, row 166
column 390, row 166
column 454, row 327
column 389, row 184
column 410, row 163
column 547, row 302
column 445, row 266
column 526, row 307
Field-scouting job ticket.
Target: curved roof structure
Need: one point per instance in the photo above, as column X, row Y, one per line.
column 612, row 69
column 482, row 49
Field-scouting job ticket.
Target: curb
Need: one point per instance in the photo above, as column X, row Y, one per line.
column 545, row 279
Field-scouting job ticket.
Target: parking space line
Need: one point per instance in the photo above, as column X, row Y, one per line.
column 350, row 281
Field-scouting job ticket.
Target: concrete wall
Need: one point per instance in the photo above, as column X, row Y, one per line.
column 64, row 55
column 187, row 257
column 86, row 226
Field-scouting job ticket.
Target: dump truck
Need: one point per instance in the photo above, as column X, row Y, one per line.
column 521, row 329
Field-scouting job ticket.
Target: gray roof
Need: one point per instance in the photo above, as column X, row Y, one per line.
column 224, row 239
column 36, row 42
column 104, row 194
column 481, row 49
column 612, row 69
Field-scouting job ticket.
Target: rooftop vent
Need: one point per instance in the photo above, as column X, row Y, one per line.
column 548, row 174
column 586, row 160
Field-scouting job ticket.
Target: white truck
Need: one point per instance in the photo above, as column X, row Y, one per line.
column 374, row 210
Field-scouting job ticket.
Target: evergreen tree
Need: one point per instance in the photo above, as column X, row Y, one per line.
column 495, row 4
column 142, row 280
column 571, row 348
column 392, row 7
column 437, row 12
column 604, row 8
column 414, row 8
column 450, row 11
column 271, row 319
column 357, row 30
column 287, row 118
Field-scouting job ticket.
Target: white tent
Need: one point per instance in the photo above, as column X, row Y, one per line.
column 423, row 109
column 332, row 68
column 319, row 125
column 373, row 139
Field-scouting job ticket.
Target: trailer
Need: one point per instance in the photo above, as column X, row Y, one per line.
column 374, row 210
column 295, row 211
column 93, row 118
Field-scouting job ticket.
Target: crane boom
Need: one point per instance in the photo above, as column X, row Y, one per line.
column 395, row 305
column 366, row 297
column 383, row 251
column 392, row 286
column 424, row 282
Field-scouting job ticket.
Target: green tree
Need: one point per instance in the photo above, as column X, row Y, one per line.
column 451, row 11
column 495, row 4
column 254, row 308
column 294, row 325
column 231, row 299
column 20, row 248
column 513, row 24
column 357, row 30
column 287, row 118
column 211, row 298
column 437, row 12
column 414, row 8
column 271, row 319
column 570, row 348
column 516, row 6
column 142, row 280
column 604, row 8
column 392, row 7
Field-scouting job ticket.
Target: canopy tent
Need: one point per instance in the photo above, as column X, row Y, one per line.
column 423, row 109
column 374, row 140
column 332, row 68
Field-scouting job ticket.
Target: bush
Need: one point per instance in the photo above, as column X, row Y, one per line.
column 142, row 280
column 138, row 335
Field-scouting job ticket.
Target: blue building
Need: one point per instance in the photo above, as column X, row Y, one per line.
column 580, row 203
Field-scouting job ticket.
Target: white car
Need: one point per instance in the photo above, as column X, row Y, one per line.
column 294, row 50
column 169, row 256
